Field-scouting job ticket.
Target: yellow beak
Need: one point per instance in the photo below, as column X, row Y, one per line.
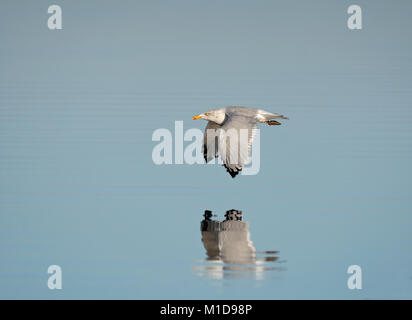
column 196, row 117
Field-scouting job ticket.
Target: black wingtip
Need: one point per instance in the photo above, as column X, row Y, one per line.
column 232, row 172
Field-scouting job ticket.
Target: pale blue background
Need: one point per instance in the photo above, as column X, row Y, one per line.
column 78, row 106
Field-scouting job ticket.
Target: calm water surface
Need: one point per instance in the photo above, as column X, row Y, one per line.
column 78, row 187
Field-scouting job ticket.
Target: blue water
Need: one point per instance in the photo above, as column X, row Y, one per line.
column 79, row 189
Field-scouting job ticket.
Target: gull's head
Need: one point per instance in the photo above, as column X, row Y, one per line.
column 217, row 116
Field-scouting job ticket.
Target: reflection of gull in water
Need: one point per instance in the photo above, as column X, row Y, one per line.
column 230, row 252
column 228, row 241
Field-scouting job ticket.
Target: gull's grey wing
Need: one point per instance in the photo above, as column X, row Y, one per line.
column 235, row 141
column 211, row 141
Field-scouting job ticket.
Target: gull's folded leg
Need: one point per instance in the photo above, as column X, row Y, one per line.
column 273, row 123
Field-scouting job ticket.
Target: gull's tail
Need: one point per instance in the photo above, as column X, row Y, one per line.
column 279, row 116
column 264, row 116
column 268, row 118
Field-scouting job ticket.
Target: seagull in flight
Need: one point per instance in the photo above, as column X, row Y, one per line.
column 239, row 124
